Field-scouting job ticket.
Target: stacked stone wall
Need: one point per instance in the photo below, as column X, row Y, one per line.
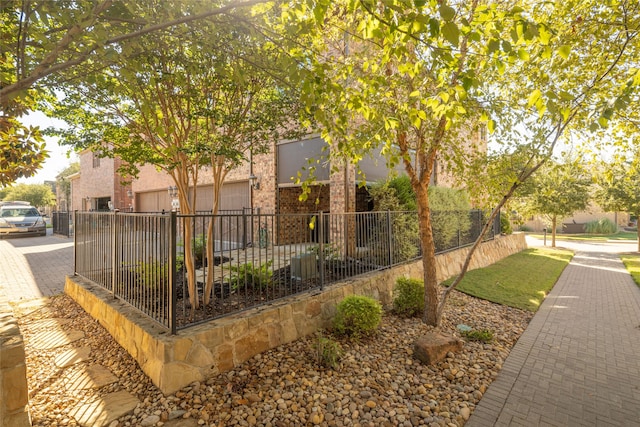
column 14, row 394
column 174, row 361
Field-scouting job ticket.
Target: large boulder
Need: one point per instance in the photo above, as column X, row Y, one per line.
column 433, row 347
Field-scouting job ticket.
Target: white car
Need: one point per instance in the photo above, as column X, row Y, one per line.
column 20, row 218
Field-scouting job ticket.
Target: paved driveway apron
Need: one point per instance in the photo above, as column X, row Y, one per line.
column 33, row 267
column 578, row 362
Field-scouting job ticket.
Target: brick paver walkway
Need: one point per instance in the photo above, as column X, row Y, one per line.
column 578, row 362
column 33, row 267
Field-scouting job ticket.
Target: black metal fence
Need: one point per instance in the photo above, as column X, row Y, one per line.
column 182, row 270
column 61, row 222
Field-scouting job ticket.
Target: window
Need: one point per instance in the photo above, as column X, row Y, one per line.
column 96, row 160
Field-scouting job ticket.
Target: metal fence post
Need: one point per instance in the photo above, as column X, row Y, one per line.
column 75, row 243
column 173, row 238
column 321, row 247
column 114, row 246
column 244, row 229
column 390, row 236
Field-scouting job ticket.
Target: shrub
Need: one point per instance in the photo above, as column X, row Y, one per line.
column 409, row 297
column 601, row 226
column 483, row 335
column 327, row 352
column 151, row 274
column 524, row 228
column 505, row 225
column 248, row 274
column 357, row 316
column 395, row 195
column 199, row 250
column 449, row 215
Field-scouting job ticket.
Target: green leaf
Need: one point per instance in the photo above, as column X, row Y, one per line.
column 493, row 45
column 564, row 51
column 523, row 54
column 447, row 12
column 451, row 32
column 545, row 34
column 491, row 126
column 534, row 97
column 414, row 94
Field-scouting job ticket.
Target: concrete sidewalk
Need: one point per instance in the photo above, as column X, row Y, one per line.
column 578, row 362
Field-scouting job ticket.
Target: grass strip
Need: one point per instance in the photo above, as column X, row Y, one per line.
column 521, row 280
column 621, row 236
column 632, row 262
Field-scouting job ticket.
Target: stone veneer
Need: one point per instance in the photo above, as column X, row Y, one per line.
column 193, row 354
column 14, row 394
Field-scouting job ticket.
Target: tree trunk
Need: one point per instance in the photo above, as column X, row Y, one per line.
column 218, row 178
column 189, row 259
column 430, row 315
column 554, row 223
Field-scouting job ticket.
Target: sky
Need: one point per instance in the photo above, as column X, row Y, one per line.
column 58, row 159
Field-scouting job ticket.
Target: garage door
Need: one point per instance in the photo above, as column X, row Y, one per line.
column 234, row 196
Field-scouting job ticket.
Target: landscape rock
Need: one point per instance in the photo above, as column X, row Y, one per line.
column 433, row 347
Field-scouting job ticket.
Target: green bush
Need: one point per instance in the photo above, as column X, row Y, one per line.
column 409, row 297
column 247, row 274
column 327, row 352
column 505, row 225
column 482, row 335
column 449, row 215
column 199, row 250
column 357, row 316
column 601, row 226
column 151, row 274
column 395, row 195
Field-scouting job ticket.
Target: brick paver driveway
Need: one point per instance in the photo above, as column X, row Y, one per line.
column 33, row 267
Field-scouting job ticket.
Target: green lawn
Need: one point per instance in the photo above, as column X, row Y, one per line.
column 632, row 262
column 521, row 280
column 623, row 235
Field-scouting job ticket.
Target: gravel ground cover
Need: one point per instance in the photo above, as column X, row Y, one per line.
column 378, row 382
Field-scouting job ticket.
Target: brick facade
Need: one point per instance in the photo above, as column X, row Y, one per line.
column 97, row 182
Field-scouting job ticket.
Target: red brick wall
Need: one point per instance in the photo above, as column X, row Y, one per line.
column 295, row 229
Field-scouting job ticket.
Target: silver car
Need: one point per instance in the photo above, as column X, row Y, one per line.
column 21, row 219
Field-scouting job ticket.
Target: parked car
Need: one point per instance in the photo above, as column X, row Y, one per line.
column 20, row 218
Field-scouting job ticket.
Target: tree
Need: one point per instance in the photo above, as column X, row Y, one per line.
column 210, row 98
column 39, row 195
column 44, row 42
column 22, row 150
column 63, row 183
column 559, row 190
column 618, row 189
column 415, row 80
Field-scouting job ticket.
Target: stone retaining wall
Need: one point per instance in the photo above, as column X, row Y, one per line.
column 14, row 394
column 174, row 361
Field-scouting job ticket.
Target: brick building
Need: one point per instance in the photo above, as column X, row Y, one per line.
column 264, row 181
column 98, row 186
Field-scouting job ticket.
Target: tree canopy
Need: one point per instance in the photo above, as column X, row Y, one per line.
column 416, row 80
column 617, row 186
column 39, row 195
column 44, row 43
column 559, row 190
